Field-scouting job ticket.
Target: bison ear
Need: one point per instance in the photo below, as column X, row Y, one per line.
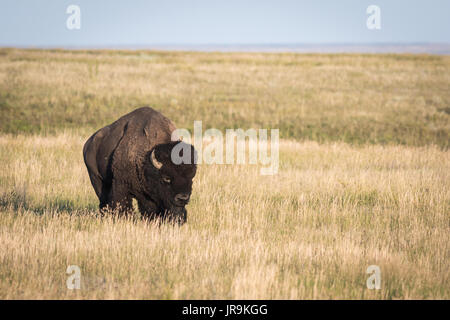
column 155, row 162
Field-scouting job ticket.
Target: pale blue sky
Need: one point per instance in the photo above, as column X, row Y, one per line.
column 138, row 22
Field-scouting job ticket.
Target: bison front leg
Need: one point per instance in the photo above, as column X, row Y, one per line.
column 148, row 209
column 119, row 200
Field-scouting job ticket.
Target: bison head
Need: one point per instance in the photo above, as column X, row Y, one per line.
column 169, row 169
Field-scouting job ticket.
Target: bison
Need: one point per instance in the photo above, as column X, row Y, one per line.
column 132, row 158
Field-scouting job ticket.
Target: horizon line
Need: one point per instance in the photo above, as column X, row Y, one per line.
column 331, row 47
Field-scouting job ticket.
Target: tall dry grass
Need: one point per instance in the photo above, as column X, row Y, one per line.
column 310, row 231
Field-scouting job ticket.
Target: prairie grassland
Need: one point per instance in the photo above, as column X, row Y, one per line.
column 354, row 98
column 363, row 179
column 310, row 231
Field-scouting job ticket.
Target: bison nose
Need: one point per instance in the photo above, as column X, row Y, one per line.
column 182, row 198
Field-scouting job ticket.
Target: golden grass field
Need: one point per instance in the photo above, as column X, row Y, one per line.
column 364, row 177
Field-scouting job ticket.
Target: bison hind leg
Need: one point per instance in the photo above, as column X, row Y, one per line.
column 102, row 190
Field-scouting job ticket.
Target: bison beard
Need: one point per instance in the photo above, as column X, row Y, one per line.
column 131, row 158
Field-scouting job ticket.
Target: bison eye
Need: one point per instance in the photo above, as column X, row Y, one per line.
column 166, row 179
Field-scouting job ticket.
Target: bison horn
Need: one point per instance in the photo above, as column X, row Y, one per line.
column 155, row 162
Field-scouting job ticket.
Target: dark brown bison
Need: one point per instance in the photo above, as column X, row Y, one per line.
column 132, row 158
